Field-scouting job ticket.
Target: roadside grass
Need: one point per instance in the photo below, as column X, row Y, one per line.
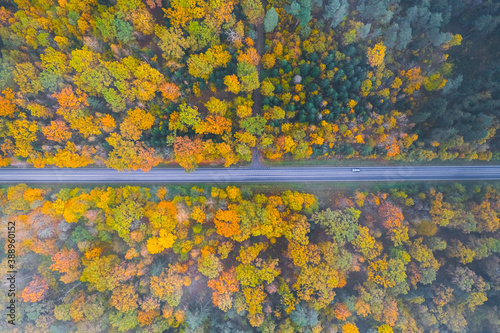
column 336, row 162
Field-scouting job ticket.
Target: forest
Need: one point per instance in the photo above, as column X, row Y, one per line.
column 405, row 258
column 132, row 84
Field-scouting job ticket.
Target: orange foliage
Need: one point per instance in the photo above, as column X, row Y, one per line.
column 33, row 194
column 150, row 309
column 393, row 221
column 35, row 291
column 164, row 241
column 224, row 286
column 170, row 91
column 124, row 298
column 57, row 131
column 188, row 153
column 250, row 56
column 390, row 313
column 67, row 262
column 7, row 106
column 214, row 124
column 108, row 121
column 227, row 222
column 70, row 102
column 341, row 311
column 136, row 121
column 414, row 80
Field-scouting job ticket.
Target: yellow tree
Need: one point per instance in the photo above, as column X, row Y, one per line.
column 376, row 55
column 57, row 131
column 232, row 83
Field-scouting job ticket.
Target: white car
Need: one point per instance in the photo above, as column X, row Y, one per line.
column 356, row 170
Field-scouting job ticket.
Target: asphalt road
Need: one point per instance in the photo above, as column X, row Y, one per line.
column 252, row 175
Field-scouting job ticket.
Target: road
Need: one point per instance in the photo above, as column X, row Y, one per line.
column 252, row 175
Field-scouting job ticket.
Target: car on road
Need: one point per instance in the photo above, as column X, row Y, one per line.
column 356, row 170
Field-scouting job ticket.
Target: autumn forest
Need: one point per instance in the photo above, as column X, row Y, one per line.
column 209, row 259
column 129, row 84
column 138, row 84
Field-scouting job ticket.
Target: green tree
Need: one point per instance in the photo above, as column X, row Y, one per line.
column 341, row 225
column 271, row 20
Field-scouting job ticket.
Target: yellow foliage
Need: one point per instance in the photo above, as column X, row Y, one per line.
column 376, row 55
column 164, row 241
column 197, row 214
column 349, row 328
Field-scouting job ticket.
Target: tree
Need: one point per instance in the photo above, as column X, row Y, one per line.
column 124, row 298
column 123, row 321
column 36, row 290
column 271, row 20
column 57, row 131
column 336, row 11
column 121, row 217
column 388, row 273
column 350, row 328
column 376, row 55
column 367, row 244
column 26, row 77
column 136, row 121
column 202, row 65
column 253, row 125
column 248, row 75
column 7, row 105
column 227, row 222
column 168, row 285
column 393, row 220
column 170, row 91
column 188, row 153
column 130, row 155
column 164, row 241
column 214, row 125
column 268, row 60
column 304, row 15
column 216, row 106
column 172, row 42
column 24, row 134
column 303, row 316
column 232, row 83
column 253, row 10
column 98, row 271
column 224, row 287
column 209, row 264
column 67, row 262
column 267, row 88
column 342, row 226
column 72, row 157
column 71, row 103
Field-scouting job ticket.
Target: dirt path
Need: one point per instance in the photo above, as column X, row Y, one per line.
column 257, row 97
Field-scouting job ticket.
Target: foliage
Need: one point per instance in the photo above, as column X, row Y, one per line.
column 159, row 262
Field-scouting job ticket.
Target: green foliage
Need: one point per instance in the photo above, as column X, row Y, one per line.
column 124, row 321
column 270, row 20
column 303, row 316
column 253, row 125
column 341, row 225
